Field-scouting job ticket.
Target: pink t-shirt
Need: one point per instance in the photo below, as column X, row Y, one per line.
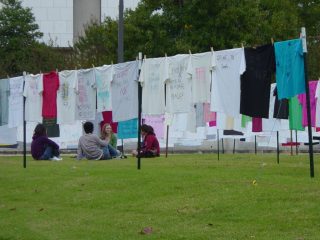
column 50, row 88
column 256, row 124
column 303, row 101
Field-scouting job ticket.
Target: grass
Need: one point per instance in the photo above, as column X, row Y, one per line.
column 192, row 196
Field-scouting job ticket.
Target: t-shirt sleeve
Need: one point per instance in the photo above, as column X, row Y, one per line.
column 40, row 84
column 242, row 63
column 318, row 90
column 142, row 73
column 190, row 67
column 213, row 60
column 25, row 89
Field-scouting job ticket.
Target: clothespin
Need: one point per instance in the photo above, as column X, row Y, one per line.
column 165, row 54
column 211, row 49
column 190, row 52
column 57, row 70
column 272, row 41
column 242, row 45
column 145, row 57
column 111, row 62
column 8, row 77
column 92, row 65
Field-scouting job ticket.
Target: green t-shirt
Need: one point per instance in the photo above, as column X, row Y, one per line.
column 113, row 141
column 295, row 114
column 245, row 120
column 4, row 104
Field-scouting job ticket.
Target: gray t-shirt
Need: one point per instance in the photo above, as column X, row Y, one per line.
column 90, row 146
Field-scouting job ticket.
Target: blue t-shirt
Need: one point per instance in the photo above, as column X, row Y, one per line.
column 289, row 68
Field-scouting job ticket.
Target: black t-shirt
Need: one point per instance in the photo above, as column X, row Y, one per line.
column 256, row 81
column 281, row 107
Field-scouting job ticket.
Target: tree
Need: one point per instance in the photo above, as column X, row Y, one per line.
column 19, row 47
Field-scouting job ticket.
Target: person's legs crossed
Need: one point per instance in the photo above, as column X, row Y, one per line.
column 113, row 152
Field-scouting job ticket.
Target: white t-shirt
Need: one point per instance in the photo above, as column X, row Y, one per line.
column 202, row 65
column 86, row 95
column 103, row 80
column 178, row 98
column 225, row 93
column 66, row 97
column 33, row 92
column 124, row 88
column 15, row 117
column 154, row 73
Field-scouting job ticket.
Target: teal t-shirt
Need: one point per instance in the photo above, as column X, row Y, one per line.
column 289, row 68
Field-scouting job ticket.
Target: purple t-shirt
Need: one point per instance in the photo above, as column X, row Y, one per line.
column 302, row 99
column 256, row 124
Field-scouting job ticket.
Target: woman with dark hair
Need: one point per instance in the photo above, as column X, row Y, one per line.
column 42, row 148
column 150, row 145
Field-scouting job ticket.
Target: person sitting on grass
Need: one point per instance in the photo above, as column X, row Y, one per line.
column 90, row 146
column 150, row 144
column 42, row 148
column 108, row 135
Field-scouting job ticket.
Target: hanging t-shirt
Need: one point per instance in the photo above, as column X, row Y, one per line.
column 256, row 124
column 32, row 91
column 103, row 80
column 289, row 68
column 124, row 87
column 208, row 116
column 225, row 94
column 50, row 88
column 281, row 107
column 273, row 124
column 245, row 120
column 128, row 129
column 199, row 115
column 256, row 81
column 202, row 64
column 318, row 105
column 86, row 95
column 4, row 104
column 303, row 100
column 154, row 73
column 178, row 97
column 107, row 118
column 66, row 97
column 295, row 114
column 15, row 117
column 157, row 123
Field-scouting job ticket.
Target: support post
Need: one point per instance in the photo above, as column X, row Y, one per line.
column 255, row 144
column 297, row 142
column 278, row 150
column 304, row 44
column 139, row 113
column 167, row 140
column 24, row 128
column 218, row 144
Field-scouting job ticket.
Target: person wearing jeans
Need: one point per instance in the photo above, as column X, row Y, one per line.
column 90, row 146
column 42, row 148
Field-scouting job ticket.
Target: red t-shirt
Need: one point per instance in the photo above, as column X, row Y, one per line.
column 50, row 88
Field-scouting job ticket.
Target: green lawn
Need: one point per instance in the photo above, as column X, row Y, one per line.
column 192, row 196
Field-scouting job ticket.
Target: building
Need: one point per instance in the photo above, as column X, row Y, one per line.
column 61, row 21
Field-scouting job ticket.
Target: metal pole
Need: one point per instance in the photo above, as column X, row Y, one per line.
column 139, row 112
column 167, row 141
column 296, row 142
column 278, row 151
column 255, row 144
column 120, row 32
column 24, row 128
column 120, row 43
column 218, row 144
column 222, row 145
column 234, row 145
column 291, row 142
column 304, row 42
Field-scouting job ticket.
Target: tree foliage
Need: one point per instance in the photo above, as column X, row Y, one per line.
column 19, row 47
